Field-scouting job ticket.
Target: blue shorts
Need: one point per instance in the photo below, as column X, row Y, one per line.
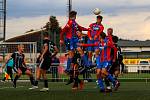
column 92, row 42
column 71, row 44
column 105, row 64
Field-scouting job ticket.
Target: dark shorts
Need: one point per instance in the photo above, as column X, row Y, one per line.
column 22, row 69
column 115, row 67
column 9, row 70
column 45, row 63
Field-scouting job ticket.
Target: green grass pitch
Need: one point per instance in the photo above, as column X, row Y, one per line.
column 59, row 91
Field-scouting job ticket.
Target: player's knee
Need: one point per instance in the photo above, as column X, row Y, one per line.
column 97, row 51
column 104, row 72
column 116, row 73
column 28, row 72
column 70, row 54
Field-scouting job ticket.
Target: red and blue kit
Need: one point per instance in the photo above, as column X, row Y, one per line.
column 95, row 30
column 70, row 30
column 105, row 46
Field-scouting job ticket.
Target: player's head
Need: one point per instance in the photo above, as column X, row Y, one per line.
column 102, row 36
column 46, row 36
column 72, row 15
column 110, row 31
column 21, row 48
column 99, row 19
column 79, row 34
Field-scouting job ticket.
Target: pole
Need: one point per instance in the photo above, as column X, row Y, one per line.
column 4, row 20
column 69, row 6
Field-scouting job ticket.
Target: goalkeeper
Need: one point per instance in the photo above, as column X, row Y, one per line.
column 8, row 69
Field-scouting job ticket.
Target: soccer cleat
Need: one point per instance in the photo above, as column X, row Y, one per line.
column 14, row 85
column 117, row 85
column 85, row 81
column 33, row 87
column 44, row 89
column 74, row 88
column 108, row 90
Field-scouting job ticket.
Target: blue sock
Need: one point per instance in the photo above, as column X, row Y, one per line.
column 111, row 79
column 69, row 61
column 85, row 60
column 98, row 61
column 101, row 85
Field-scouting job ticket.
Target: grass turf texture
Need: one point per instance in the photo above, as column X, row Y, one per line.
column 59, row 91
column 124, row 76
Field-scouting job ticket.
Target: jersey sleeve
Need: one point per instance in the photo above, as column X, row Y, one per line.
column 82, row 28
column 111, row 44
column 65, row 29
column 89, row 31
column 89, row 45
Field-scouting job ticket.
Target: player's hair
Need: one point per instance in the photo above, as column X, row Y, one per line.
column 20, row 45
column 115, row 39
column 103, row 35
column 99, row 17
column 72, row 14
column 110, row 29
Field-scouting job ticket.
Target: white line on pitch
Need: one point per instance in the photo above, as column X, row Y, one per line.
column 10, row 87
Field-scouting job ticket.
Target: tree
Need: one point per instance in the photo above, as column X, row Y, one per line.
column 53, row 28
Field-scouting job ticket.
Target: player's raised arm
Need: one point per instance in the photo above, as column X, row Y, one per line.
column 65, row 29
column 82, row 28
column 87, row 45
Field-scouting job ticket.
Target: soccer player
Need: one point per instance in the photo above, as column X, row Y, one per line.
column 103, row 59
column 115, row 69
column 48, row 51
column 93, row 36
column 78, row 54
column 20, row 65
column 113, row 54
column 71, row 39
column 110, row 34
column 8, row 68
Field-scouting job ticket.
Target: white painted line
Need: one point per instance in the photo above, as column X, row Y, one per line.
column 10, row 87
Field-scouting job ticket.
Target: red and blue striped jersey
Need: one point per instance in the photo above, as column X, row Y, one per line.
column 71, row 29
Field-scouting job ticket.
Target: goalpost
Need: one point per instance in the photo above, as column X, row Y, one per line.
column 30, row 52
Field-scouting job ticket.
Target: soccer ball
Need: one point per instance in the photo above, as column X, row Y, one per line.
column 96, row 11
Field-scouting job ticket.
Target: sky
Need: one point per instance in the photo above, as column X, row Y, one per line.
column 129, row 18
